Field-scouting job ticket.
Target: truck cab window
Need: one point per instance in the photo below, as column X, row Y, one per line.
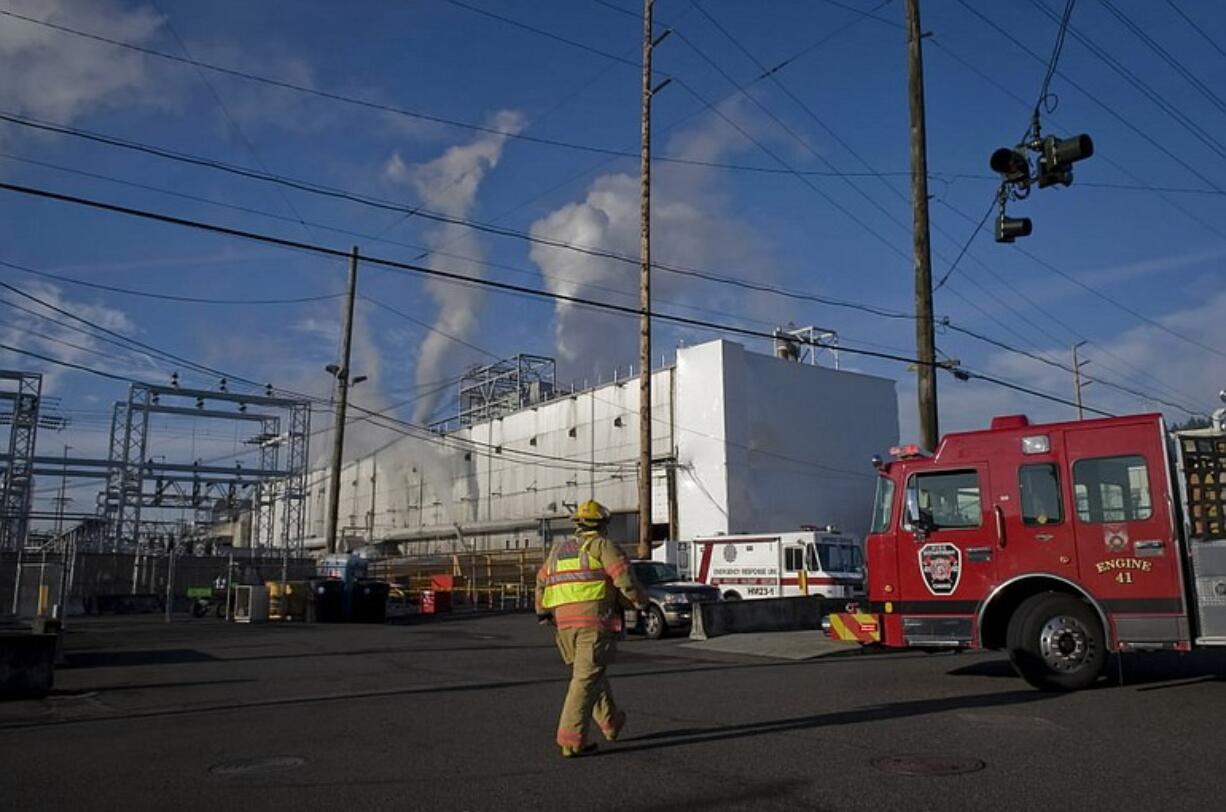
column 794, row 559
column 883, row 507
column 950, row 499
column 811, row 558
column 1040, row 487
column 1112, row 489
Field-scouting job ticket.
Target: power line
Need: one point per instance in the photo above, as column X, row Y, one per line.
column 387, row 108
column 226, row 112
column 823, row 300
column 493, row 284
column 168, row 297
column 1095, row 99
column 1166, row 56
column 1045, row 88
column 851, row 150
column 424, row 251
column 1066, row 368
column 488, row 228
column 805, row 107
column 1196, row 27
column 1160, row 99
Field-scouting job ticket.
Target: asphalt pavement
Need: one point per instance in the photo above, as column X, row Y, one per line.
column 459, row 713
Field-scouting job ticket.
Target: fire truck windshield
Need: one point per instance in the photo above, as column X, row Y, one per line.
column 883, row 507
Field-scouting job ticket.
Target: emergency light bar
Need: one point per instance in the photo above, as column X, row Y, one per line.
column 905, row 452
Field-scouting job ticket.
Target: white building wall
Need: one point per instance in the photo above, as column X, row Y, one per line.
column 768, row 444
column 760, row 444
column 536, row 463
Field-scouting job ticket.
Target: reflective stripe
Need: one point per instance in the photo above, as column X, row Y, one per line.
column 570, row 738
column 582, row 592
column 618, row 567
column 575, row 578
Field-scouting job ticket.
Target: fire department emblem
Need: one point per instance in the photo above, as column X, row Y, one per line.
column 730, row 553
column 1115, row 538
column 941, row 566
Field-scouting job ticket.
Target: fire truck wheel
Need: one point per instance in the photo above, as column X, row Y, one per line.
column 1056, row 642
column 732, row 595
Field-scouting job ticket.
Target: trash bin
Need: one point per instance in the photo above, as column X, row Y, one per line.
column 370, row 601
column 328, row 600
column 434, row 602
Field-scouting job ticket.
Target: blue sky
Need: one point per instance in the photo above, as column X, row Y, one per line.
column 1143, row 249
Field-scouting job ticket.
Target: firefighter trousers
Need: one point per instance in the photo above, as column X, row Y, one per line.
column 588, row 652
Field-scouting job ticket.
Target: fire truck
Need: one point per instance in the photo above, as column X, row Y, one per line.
column 1057, row 543
column 781, row 565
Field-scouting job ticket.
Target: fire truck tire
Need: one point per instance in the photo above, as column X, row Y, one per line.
column 732, row 595
column 654, row 626
column 1056, row 642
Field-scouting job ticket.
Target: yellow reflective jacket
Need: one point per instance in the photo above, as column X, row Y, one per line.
column 580, row 581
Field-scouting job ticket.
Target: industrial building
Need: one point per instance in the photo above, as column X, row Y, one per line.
column 743, row 442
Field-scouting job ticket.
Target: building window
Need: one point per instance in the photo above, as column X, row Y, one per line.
column 949, row 499
column 1040, row 488
column 1112, row 489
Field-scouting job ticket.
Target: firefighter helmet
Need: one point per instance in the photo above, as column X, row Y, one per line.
column 591, row 513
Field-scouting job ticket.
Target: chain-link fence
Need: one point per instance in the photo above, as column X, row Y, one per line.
column 123, row 582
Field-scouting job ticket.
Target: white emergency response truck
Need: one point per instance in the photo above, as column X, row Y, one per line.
column 774, row 565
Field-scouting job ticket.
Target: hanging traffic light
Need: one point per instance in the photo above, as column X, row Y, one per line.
column 1012, row 164
column 1057, row 156
column 1009, row 229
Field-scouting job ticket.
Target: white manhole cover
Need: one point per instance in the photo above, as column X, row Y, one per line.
column 266, row 764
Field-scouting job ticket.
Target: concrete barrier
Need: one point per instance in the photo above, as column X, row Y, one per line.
column 27, row 664
column 763, row 615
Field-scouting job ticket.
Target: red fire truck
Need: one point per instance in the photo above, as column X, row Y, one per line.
column 1058, row 543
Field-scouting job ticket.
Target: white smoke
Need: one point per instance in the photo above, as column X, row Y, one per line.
column 449, row 185
column 693, row 224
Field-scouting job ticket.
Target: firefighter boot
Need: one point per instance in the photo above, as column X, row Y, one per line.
column 578, row 752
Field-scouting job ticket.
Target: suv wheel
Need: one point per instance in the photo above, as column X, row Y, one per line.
column 653, row 623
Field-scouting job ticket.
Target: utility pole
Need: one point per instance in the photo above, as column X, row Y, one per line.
column 341, row 373
column 644, row 545
column 925, row 340
column 1077, row 382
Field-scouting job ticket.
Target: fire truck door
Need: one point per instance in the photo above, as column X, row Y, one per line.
column 1037, row 520
column 948, row 569
column 1122, row 518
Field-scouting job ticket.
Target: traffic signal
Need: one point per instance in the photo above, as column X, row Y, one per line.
column 1009, row 229
column 1012, row 163
column 1057, row 156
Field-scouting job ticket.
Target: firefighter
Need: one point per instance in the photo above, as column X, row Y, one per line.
column 578, row 590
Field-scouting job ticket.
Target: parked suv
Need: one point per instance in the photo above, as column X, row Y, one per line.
column 671, row 599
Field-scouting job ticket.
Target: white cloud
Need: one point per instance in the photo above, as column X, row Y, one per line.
column 449, row 184
column 60, row 340
column 53, row 75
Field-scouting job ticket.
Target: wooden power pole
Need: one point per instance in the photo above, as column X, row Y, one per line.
column 341, row 373
column 925, row 340
column 645, row 480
